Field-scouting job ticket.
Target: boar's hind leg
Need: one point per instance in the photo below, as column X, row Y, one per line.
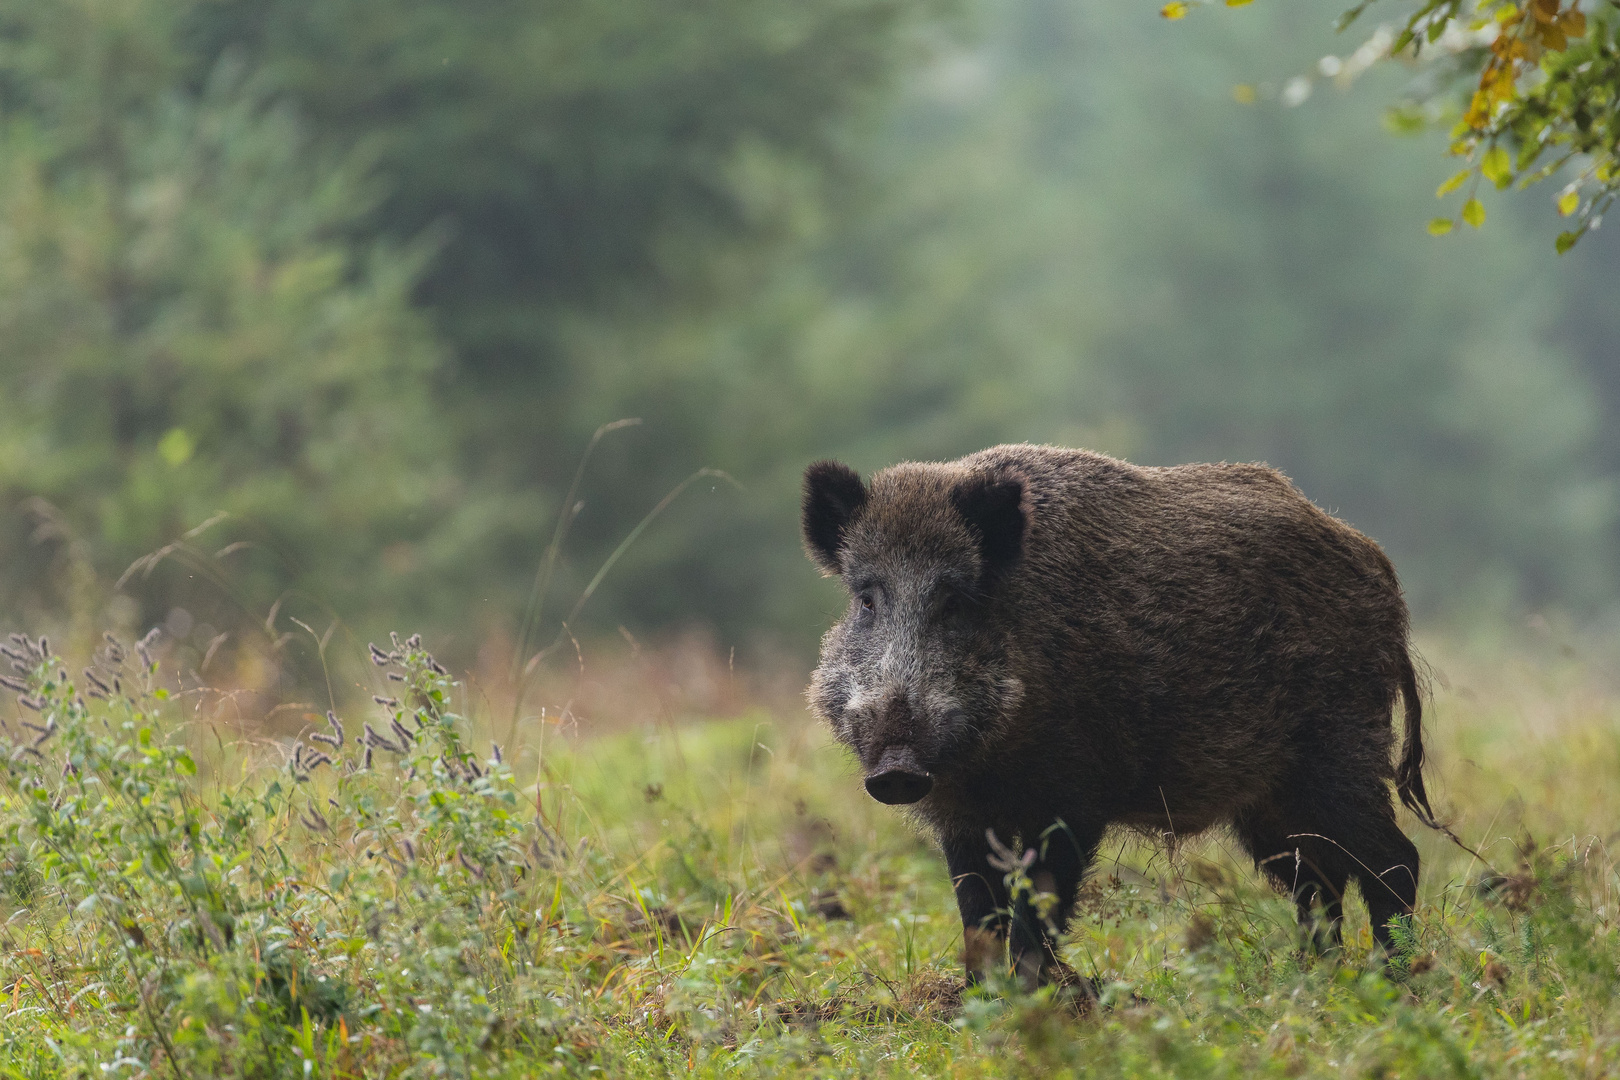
column 1388, row 874
column 1310, row 870
column 992, row 919
column 1312, row 851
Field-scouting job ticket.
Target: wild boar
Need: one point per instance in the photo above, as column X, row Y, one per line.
column 1042, row 643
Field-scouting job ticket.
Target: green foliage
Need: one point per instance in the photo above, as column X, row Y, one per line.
column 585, row 168
column 575, row 151
column 711, row 901
column 187, row 899
column 237, row 232
column 1531, row 91
column 184, row 334
column 1548, row 80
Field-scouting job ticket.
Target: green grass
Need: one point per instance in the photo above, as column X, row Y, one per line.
column 721, row 898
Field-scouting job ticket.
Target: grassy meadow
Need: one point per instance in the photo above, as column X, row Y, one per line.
column 386, row 894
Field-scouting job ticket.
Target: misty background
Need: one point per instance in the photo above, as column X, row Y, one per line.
column 364, row 276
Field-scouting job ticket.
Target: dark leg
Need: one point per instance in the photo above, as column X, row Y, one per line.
column 1312, row 848
column 1340, row 792
column 1064, row 853
column 1388, row 874
column 981, row 897
column 1303, row 866
column 1030, row 924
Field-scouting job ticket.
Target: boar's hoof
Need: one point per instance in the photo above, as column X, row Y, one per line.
column 898, row 778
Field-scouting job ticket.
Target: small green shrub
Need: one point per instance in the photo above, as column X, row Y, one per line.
column 246, row 926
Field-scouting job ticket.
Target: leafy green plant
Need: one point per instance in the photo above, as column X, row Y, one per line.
column 197, row 910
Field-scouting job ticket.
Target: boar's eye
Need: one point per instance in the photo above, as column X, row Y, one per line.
column 867, row 605
column 955, row 609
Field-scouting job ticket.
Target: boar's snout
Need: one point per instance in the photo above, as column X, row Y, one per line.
column 899, row 778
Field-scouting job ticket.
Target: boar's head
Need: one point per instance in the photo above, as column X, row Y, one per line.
column 916, row 674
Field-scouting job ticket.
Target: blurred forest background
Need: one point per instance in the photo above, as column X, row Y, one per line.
column 366, row 275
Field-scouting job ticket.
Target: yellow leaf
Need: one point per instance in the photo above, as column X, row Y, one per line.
column 1569, row 202
column 1474, row 212
column 1573, row 23
column 1175, row 9
column 1501, row 84
column 1238, row 3
column 1243, row 94
column 1497, row 167
column 1453, row 184
column 1439, row 226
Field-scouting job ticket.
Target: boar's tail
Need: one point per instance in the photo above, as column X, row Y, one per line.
column 1409, row 771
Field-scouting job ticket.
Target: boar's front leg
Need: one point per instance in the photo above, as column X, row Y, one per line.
column 982, row 898
column 1000, row 929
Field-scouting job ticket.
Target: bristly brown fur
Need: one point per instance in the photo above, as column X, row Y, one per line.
column 1058, row 642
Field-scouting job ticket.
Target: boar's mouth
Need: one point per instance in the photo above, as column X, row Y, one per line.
column 899, row 778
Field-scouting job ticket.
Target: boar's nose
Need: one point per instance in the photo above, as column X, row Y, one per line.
column 899, row 778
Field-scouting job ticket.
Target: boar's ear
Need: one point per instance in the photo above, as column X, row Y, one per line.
column 993, row 507
column 833, row 495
